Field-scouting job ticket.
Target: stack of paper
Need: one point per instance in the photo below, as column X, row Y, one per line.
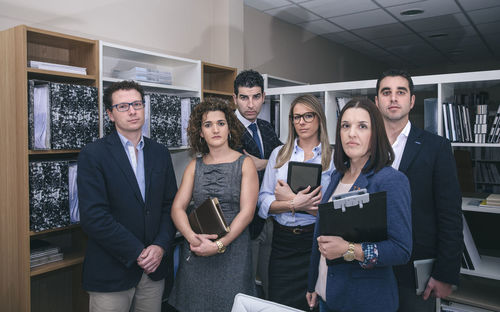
column 43, row 252
column 59, row 67
column 144, row 74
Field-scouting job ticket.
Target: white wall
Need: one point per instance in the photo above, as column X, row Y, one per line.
column 210, row 30
column 281, row 49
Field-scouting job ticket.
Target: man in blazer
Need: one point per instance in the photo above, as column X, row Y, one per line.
column 428, row 162
column 126, row 185
column 258, row 142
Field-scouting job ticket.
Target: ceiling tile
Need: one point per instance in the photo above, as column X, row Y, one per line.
column 404, row 40
column 457, row 32
column 388, row 3
column 382, row 31
column 431, row 8
column 470, row 5
column 299, row 1
column 292, row 14
column 485, row 15
column 320, row 27
column 438, row 22
column 341, row 37
column 458, row 43
column 489, row 28
column 263, row 5
column 331, row 8
column 363, row 19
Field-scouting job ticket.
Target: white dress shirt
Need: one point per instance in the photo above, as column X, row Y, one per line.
column 399, row 145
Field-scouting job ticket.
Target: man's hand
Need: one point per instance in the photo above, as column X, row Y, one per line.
column 437, row 289
column 150, row 258
column 260, row 164
column 312, row 299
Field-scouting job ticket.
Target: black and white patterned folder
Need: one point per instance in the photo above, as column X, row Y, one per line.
column 74, row 115
column 165, row 119
column 49, row 195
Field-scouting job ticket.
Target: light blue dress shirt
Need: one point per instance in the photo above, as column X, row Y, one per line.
column 139, row 168
column 271, row 177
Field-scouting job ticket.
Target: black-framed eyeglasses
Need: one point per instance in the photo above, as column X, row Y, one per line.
column 308, row 117
column 123, row 107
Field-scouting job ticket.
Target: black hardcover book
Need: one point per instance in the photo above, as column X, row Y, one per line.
column 166, row 119
column 74, row 115
column 49, row 195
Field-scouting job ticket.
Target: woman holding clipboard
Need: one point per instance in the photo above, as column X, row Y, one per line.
column 364, row 281
column 293, row 214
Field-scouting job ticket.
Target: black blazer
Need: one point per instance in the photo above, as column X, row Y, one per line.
column 269, row 142
column 436, row 205
column 118, row 222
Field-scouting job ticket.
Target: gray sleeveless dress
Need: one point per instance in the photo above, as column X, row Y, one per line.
column 210, row 283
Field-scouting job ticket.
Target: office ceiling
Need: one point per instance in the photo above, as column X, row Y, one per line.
column 446, row 31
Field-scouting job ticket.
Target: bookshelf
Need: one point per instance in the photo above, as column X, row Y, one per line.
column 218, row 81
column 20, row 288
column 442, row 88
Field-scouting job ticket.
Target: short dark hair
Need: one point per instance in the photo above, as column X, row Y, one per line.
column 249, row 79
column 212, row 104
column 381, row 153
column 396, row 73
column 120, row 85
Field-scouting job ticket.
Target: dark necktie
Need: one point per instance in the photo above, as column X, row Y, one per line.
column 256, row 138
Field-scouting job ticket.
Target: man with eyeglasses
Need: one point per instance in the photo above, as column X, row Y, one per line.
column 258, row 142
column 126, row 186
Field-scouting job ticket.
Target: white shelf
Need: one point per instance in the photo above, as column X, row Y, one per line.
column 472, row 204
column 490, row 268
column 475, row 144
column 171, row 88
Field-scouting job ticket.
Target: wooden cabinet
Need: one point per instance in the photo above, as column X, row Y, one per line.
column 55, row 286
column 218, row 81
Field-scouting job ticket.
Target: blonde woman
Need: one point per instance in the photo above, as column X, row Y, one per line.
column 294, row 215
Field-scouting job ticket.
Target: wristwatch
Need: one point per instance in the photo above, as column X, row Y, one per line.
column 349, row 254
column 220, row 246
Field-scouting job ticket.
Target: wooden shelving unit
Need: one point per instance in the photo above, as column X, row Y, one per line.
column 22, row 288
column 218, row 81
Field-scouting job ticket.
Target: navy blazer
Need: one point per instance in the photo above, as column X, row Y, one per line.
column 269, row 142
column 349, row 287
column 118, row 222
column 436, row 206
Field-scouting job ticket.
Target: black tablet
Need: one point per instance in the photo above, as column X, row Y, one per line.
column 301, row 175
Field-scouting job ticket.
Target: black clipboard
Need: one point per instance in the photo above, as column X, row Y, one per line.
column 301, row 175
column 355, row 216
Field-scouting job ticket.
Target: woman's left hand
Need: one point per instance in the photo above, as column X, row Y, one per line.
column 283, row 192
column 332, row 247
column 206, row 247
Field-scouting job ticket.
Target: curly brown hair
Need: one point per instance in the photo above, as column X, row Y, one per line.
column 211, row 104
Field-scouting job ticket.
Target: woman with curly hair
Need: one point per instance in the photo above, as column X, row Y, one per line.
column 212, row 270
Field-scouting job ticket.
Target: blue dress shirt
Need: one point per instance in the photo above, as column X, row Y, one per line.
column 139, row 171
column 271, row 177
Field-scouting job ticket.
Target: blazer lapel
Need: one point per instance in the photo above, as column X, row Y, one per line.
column 120, row 156
column 249, row 144
column 413, row 146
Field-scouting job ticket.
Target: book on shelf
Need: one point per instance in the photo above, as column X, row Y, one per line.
column 470, row 258
column 43, row 252
column 61, row 116
column 58, row 67
column 493, row 200
column 144, row 74
column 48, row 195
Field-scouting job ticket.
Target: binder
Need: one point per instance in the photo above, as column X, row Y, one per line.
column 208, row 218
column 356, row 216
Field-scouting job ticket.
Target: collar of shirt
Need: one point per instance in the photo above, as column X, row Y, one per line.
column 298, row 152
column 244, row 121
column 399, row 145
column 126, row 142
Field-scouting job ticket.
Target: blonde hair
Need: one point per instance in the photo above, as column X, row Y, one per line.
column 310, row 101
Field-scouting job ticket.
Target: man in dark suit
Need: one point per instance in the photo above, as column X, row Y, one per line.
column 428, row 162
column 258, row 142
column 126, row 186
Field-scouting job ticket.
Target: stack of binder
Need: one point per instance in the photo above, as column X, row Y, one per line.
column 494, row 136
column 457, row 126
column 481, row 124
